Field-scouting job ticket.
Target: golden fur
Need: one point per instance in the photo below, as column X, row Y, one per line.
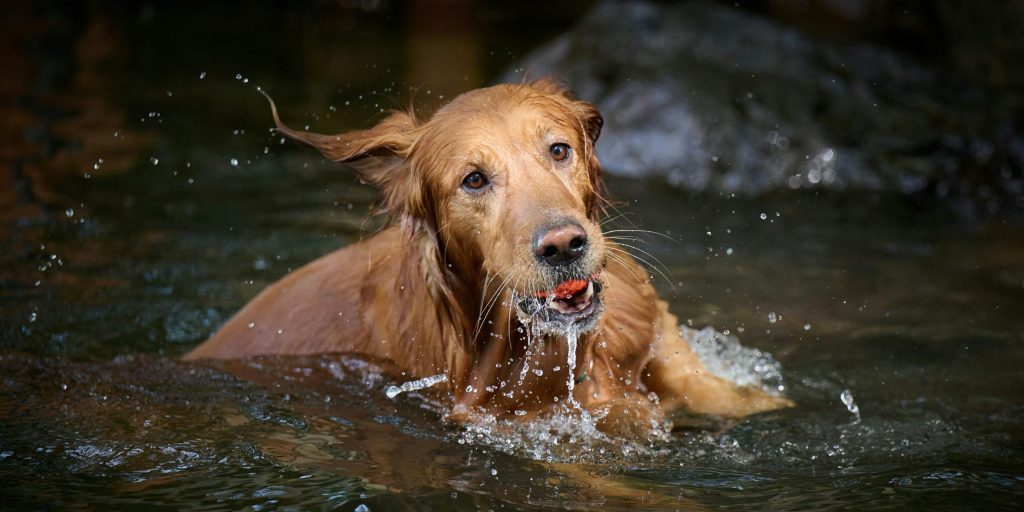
column 435, row 291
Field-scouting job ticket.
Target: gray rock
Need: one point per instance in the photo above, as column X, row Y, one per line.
column 715, row 98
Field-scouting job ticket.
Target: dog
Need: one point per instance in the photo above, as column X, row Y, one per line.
column 493, row 271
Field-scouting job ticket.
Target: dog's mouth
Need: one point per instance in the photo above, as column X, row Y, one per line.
column 572, row 304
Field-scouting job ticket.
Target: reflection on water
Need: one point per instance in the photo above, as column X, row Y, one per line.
column 907, row 317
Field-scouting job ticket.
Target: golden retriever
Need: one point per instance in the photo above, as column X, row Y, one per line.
column 493, row 271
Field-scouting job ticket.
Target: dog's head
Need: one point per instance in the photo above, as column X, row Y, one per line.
column 506, row 181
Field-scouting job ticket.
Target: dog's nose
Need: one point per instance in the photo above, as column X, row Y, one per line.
column 561, row 245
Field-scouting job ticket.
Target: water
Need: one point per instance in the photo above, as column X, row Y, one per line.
column 908, row 383
column 415, row 385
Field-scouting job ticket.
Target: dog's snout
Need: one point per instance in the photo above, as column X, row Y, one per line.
column 560, row 245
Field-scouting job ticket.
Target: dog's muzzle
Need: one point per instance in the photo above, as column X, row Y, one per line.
column 574, row 304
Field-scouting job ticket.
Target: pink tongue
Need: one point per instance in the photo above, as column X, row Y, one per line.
column 565, row 289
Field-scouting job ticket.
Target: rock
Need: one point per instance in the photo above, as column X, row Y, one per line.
column 715, row 98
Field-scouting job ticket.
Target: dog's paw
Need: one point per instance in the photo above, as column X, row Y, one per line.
column 634, row 419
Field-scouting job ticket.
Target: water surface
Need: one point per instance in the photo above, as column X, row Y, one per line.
column 899, row 327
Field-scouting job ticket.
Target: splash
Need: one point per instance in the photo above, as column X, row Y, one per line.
column 415, row 385
column 847, row 397
column 563, row 437
column 723, row 355
column 572, row 342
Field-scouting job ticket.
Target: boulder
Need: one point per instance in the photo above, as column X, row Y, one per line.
column 717, row 98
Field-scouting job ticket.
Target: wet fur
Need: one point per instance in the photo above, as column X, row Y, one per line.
column 432, row 292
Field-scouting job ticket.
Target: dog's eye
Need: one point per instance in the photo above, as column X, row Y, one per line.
column 475, row 181
column 560, row 151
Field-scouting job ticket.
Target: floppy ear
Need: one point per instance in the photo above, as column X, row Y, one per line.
column 587, row 114
column 376, row 154
column 590, row 117
column 591, row 122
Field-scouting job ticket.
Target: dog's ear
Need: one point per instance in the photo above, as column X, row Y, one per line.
column 591, row 122
column 375, row 154
column 590, row 117
column 588, row 114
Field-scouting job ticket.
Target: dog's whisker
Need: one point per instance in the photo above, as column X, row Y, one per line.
column 625, row 265
column 486, row 310
column 647, row 231
column 629, row 238
column 612, row 218
column 483, row 293
column 495, row 296
column 648, row 264
column 648, row 254
column 508, row 314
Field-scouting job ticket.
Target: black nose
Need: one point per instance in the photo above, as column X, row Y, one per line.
column 560, row 245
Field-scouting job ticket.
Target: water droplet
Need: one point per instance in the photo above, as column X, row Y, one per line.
column 772, row 317
column 202, row 75
column 416, row 385
column 234, row 162
column 764, row 216
column 538, row 372
column 70, row 212
column 238, row 76
column 847, row 398
column 154, row 160
column 807, row 327
column 494, row 472
column 252, row 324
column 32, row 316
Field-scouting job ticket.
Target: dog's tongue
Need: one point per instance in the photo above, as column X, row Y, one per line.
column 565, row 289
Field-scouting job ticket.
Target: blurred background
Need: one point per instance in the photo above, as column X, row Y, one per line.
column 840, row 183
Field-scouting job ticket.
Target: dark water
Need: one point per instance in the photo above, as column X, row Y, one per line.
column 105, row 280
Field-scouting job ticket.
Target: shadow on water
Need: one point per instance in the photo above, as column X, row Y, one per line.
column 146, row 201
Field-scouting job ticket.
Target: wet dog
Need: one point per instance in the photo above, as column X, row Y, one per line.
column 494, row 271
